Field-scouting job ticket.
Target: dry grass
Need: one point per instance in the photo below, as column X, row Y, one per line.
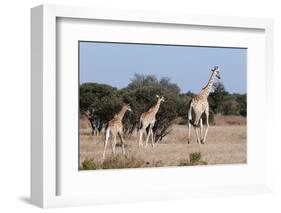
column 225, row 145
column 129, row 161
column 230, row 120
column 113, row 162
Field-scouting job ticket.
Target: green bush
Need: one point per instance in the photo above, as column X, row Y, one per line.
column 90, row 164
column 101, row 99
column 194, row 159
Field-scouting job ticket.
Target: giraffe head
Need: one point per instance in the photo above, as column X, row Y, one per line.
column 88, row 114
column 216, row 72
column 127, row 107
column 161, row 99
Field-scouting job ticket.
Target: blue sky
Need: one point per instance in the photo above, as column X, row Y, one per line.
column 190, row 67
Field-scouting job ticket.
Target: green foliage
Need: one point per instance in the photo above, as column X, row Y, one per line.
column 220, row 101
column 92, row 93
column 102, row 99
column 217, row 97
column 242, row 101
column 90, row 164
column 140, row 81
column 230, row 106
column 195, row 157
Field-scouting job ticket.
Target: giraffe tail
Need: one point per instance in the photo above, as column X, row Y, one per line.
column 190, row 120
column 195, row 124
column 190, row 111
column 192, row 123
column 140, row 124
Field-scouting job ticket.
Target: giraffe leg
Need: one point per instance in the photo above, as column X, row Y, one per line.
column 105, row 142
column 201, row 131
column 122, row 143
column 114, row 143
column 189, row 130
column 197, row 126
column 146, row 141
column 152, row 138
column 207, row 125
column 140, row 140
column 197, row 134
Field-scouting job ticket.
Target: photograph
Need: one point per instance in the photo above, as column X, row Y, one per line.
column 161, row 105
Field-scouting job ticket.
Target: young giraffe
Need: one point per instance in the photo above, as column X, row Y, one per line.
column 148, row 119
column 114, row 128
column 199, row 104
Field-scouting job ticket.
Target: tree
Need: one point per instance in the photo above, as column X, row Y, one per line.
column 141, row 80
column 216, row 98
column 230, row 106
column 242, row 101
column 100, row 99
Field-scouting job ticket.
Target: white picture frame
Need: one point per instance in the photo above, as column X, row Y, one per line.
column 45, row 178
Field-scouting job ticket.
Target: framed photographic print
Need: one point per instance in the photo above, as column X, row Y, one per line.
column 149, row 106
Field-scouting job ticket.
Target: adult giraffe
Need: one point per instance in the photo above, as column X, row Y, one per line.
column 148, row 119
column 114, row 128
column 199, row 105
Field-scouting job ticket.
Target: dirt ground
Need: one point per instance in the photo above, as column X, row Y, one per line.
column 226, row 144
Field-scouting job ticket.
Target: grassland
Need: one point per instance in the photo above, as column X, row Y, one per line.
column 226, row 144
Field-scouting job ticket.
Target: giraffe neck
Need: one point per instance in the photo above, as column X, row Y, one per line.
column 121, row 114
column 207, row 89
column 155, row 108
